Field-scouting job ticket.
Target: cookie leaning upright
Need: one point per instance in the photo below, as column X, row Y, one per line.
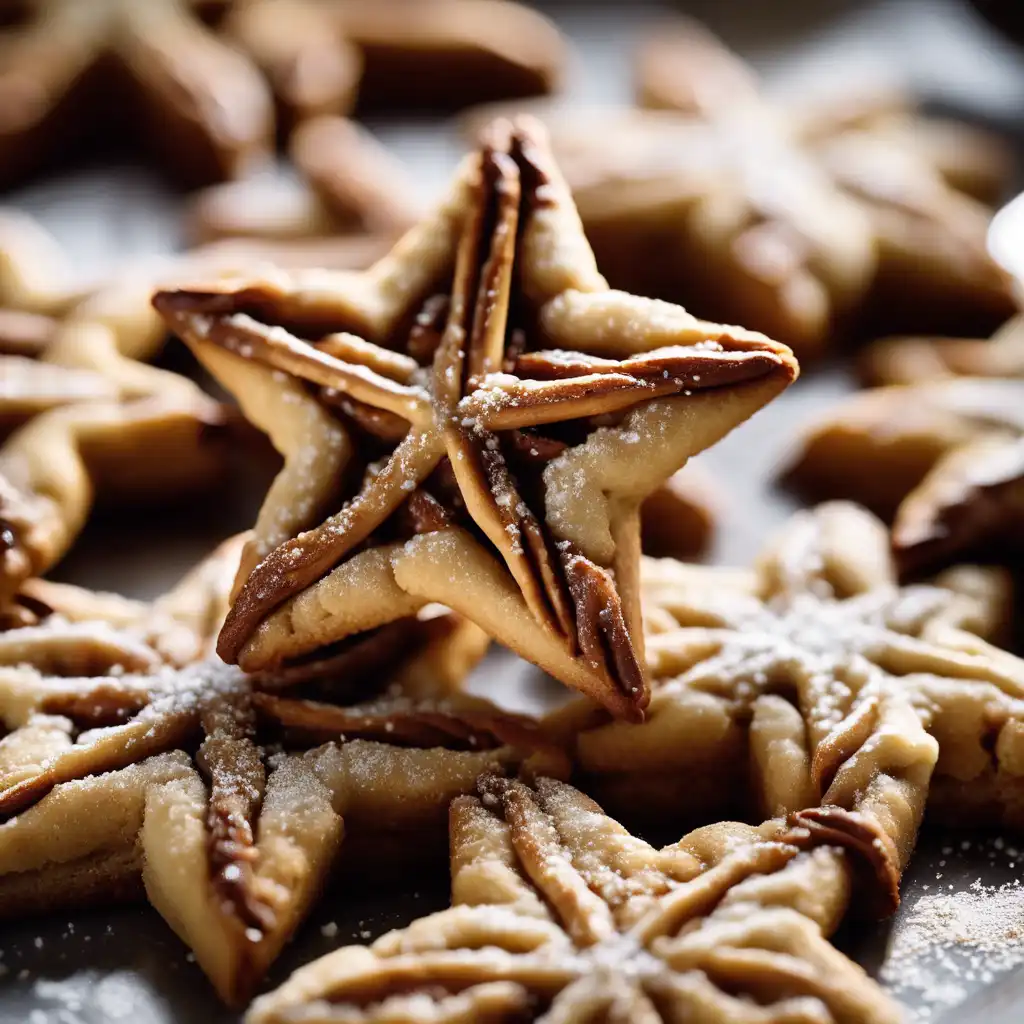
column 507, row 413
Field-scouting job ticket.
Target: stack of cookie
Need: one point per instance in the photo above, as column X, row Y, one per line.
column 480, row 440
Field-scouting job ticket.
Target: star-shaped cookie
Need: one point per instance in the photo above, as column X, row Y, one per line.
column 809, row 223
column 94, row 418
column 233, row 840
column 155, row 434
column 61, row 629
column 682, row 66
column 923, row 182
column 944, row 459
column 95, row 351
column 475, row 421
column 73, row 72
column 559, row 914
column 796, row 684
column 227, row 804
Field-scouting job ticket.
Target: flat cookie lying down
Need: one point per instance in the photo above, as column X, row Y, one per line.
column 559, row 914
column 944, row 459
column 229, row 805
column 794, row 684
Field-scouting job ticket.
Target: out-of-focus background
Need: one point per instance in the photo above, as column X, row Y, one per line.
column 942, row 49
column 955, row 932
column 110, row 212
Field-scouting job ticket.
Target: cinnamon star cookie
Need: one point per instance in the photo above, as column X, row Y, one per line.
column 559, row 914
column 180, row 775
column 89, row 416
column 809, row 681
column 227, row 804
column 682, row 66
column 130, row 431
column 475, row 421
column 62, row 629
column 96, row 352
column 72, row 71
column 945, row 459
column 805, row 221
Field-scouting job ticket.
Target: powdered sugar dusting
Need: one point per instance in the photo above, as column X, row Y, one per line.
column 120, row 996
column 953, row 942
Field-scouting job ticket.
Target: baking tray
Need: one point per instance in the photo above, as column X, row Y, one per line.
column 960, row 928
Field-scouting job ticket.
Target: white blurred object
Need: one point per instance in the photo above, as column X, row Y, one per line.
column 1006, row 237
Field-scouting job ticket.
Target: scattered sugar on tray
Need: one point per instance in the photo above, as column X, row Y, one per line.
column 329, row 930
column 83, row 997
column 951, row 938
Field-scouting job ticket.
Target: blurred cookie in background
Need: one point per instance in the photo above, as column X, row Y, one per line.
column 944, row 460
column 350, row 183
column 331, row 56
column 753, row 219
column 74, row 75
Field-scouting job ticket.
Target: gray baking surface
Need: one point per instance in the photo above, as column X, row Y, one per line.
column 961, row 926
